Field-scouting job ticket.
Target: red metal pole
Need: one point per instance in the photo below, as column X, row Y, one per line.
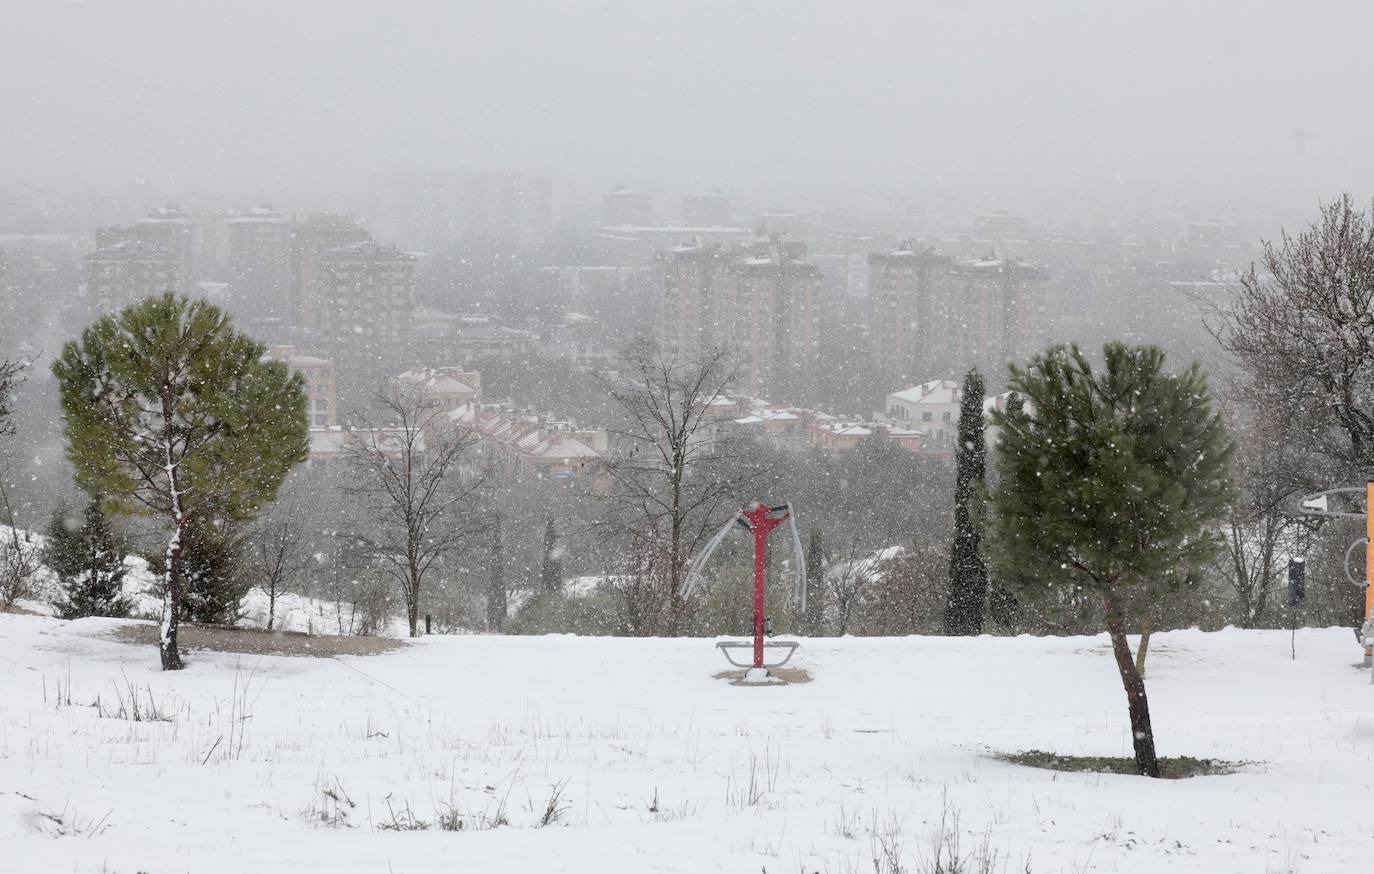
column 762, row 524
column 760, row 568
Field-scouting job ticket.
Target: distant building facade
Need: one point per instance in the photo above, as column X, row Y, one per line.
column 930, row 313
column 445, row 388
column 759, row 300
column 260, row 266
column 309, row 241
column 625, row 206
column 169, row 229
column 932, row 407
column 321, row 384
column 469, row 339
column 521, row 446
column 370, row 296
column 125, row 272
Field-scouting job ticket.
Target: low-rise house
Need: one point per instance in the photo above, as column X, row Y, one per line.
column 522, row 446
column 843, row 436
column 467, row 337
column 446, row 388
column 798, row 428
column 329, row 446
column 932, row 407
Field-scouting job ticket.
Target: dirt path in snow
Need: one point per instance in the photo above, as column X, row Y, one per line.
column 256, row 642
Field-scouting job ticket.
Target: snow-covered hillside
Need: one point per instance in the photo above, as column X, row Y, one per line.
column 617, row 755
column 294, row 612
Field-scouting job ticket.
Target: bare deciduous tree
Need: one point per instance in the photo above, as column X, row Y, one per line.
column 846, row 582
column 1302, row 328
column 276, row 554
column 672, row 479
column 497, row 601
column 1260, row 529
column 10, row 377
column 642, row 606
column 409, row 480
column 20, row 556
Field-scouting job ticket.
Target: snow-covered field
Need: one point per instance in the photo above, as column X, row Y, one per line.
column 294, row 764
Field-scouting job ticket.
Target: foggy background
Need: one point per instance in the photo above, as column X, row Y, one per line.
column 1037, row 102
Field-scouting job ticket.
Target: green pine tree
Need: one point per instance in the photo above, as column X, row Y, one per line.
column 212, row 578
column 1002, row 604
column 171, row 412
column 88, row 560
column 968, row 575
column 1111, row 486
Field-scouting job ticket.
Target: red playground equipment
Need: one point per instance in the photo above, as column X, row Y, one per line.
column 760, row 520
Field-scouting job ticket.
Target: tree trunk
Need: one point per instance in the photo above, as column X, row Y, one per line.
column 413, row 606
column 271, row 606
column 497, row 606
column 171, row 598
column 1142, row 735
column 815, row 584
column 1144, row 648
column 171, row 590
column 676, row 608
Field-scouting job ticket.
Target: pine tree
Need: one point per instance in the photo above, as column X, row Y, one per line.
column 496, row 583
column 551, row 570
column 815, row 583
column 1002, row 603
column 968, row 575
column 1110, row 486
column 171, row 412
column 213, row 578
column 89, row 563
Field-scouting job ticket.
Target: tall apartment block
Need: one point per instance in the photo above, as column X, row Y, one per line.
column 933, row 316
column 369, row 296
column 125, row 272
column 759, row 300
column 309, row 241
column 168, row 229
column 259, row 266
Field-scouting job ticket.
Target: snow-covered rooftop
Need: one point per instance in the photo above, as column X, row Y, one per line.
column 937, row 391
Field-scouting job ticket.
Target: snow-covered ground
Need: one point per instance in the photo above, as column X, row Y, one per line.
column 295, row 764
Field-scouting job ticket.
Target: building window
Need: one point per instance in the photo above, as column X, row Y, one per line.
column 945, row 417
column 927, row 416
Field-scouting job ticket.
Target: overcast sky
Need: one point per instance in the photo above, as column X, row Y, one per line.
column 751, row 95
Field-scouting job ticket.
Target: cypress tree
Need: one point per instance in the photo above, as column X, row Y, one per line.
column 968, row 575
column 496, row 583
column 89, row 564
column 551, row 570
column 1111, row 486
